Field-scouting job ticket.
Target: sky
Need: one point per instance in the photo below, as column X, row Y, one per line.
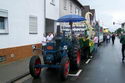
column 108, row 11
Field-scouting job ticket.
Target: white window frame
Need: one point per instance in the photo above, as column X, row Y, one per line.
column 76, row 10
column 65, row 4
column 4, row 14
column 79, row 11
column 71, row 6
column 33, row 24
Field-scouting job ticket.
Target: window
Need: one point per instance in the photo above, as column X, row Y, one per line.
column 70, row 6
column 3, row 21
column 76, row 10
column 33, row 25
column 65, row 4
column 52, row 2
column 79, row 11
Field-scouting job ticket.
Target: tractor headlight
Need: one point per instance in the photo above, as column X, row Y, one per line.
column 65, row 47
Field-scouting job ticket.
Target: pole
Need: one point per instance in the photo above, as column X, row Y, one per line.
column 44, row 16
column 70, row 23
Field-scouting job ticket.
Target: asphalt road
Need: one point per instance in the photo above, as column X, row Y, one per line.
column 105, row 67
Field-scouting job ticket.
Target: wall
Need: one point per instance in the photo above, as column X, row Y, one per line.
column 17, row 44
column 62, row 10
column 67, row 10
column 52, row 10
column 18, row 22
column 52, row 14
column 17, row 53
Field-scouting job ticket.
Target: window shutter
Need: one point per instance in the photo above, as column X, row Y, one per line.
column 33, row 25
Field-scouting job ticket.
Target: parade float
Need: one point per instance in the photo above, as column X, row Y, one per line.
column 84, row 29
column 90, row 31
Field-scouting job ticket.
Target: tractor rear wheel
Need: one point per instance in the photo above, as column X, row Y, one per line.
column 35, row 72
column 65, row 67
column 76, row 60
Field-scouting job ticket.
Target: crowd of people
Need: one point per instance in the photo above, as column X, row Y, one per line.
column 85, row 42
column 108, row 37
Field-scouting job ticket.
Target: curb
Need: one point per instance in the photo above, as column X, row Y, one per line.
column 4, row 64
column 17, row 78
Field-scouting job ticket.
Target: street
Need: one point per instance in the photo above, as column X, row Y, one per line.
column 105, row 67
column 47, row 41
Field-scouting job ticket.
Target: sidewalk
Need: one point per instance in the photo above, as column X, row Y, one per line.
column 9, row 72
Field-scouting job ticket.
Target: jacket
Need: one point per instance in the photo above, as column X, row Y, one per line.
column 122, row 39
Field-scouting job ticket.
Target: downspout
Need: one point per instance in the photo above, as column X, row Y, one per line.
column 44, row 16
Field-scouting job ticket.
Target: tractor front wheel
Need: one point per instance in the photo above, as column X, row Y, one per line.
column 35, row 71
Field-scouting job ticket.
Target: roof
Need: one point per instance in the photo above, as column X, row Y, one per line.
column 78, row 3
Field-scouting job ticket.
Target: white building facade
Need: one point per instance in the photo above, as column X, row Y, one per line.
column 52, row 14
column 21, row 25
column 70, row 7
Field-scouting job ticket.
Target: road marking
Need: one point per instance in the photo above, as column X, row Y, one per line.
column 23, row 79
column 77, row 74
column 88, row 61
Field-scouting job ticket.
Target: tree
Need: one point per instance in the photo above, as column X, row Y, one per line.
column 119, row 30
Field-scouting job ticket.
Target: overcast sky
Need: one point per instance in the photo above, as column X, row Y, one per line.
column 108, row 11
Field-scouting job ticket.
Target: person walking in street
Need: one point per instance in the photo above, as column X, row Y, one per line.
column 96, row 42
column 113, row 38
column 104, row 38
column 108, row 38
column 122, row 41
